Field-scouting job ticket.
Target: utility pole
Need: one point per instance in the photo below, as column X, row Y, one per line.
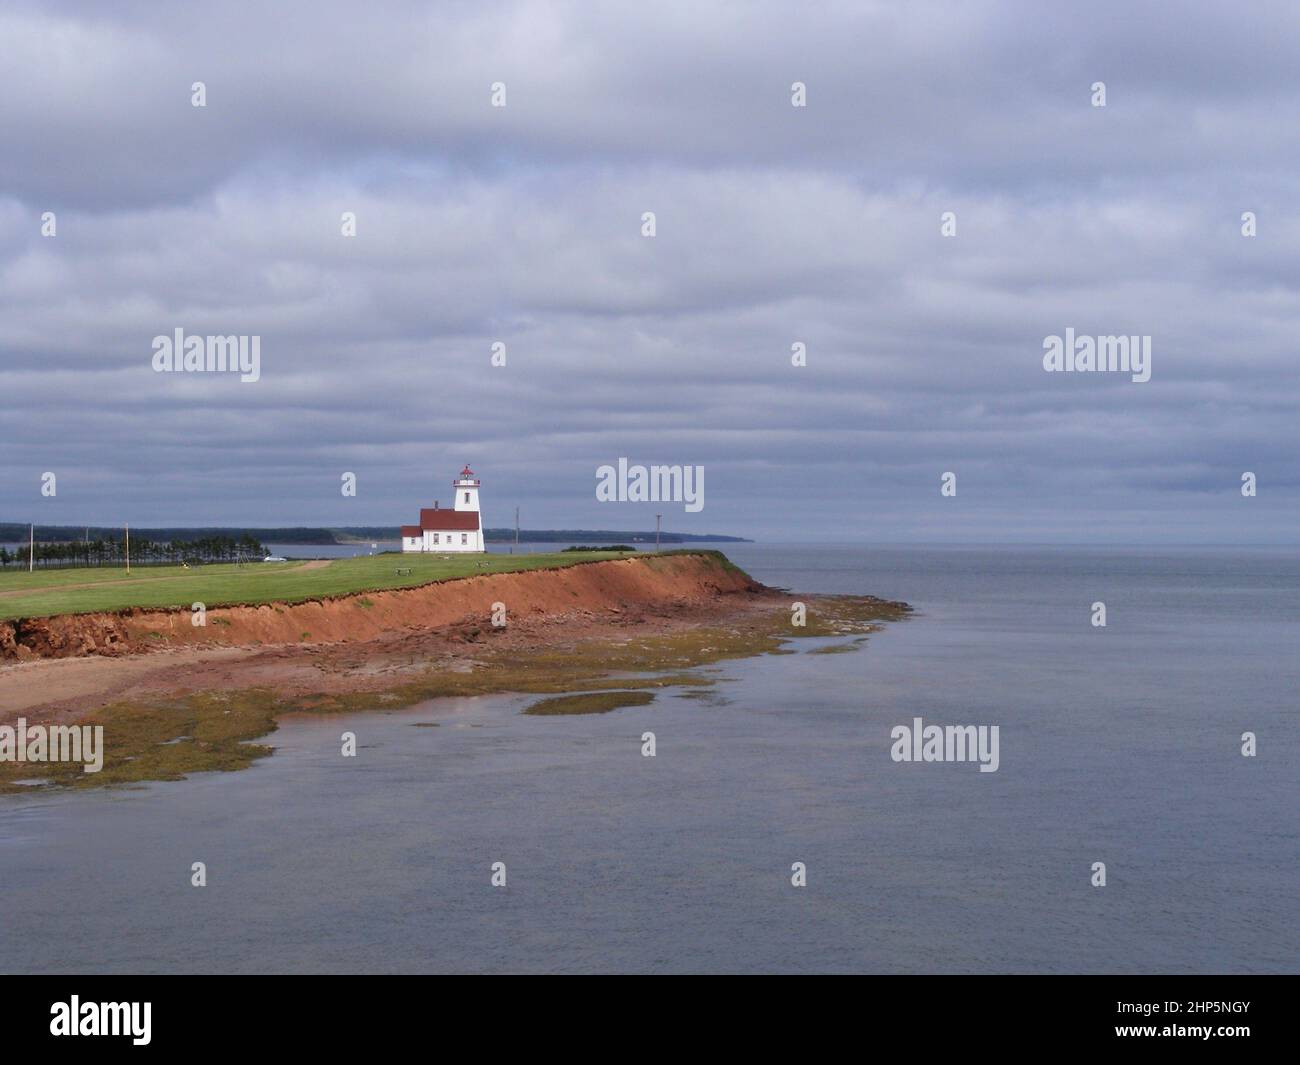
column 31, row 551
column 516, row 529
column 657, row 517
column 128, row 550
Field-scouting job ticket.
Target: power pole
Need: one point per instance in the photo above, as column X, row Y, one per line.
column 657, row 517
column 128, row 550
column 31, row 551
column 516, row 528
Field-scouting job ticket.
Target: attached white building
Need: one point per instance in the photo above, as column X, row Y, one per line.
column 457, row 529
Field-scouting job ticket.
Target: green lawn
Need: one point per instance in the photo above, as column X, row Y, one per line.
column 86, row 591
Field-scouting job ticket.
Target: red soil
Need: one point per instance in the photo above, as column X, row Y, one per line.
column 75, row 663
column 602, row 586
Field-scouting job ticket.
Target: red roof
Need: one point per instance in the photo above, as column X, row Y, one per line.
column 449, row 520
column 412, row 530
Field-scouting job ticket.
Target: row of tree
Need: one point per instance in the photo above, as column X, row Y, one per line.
column 107, row 552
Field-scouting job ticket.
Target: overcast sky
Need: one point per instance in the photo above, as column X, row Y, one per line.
column 775, row 225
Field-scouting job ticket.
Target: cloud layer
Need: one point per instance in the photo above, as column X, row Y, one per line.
column 775, row 225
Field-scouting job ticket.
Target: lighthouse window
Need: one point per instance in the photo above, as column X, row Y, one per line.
column 466, row 497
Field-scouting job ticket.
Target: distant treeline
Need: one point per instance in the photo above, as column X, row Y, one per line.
column 144, row 552
column 11, row 532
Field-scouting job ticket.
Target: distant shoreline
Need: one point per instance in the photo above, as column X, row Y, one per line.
column 348, row 535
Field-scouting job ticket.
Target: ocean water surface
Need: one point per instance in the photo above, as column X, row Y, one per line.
column 1119, row 745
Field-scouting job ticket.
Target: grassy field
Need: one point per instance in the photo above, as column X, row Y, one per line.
column 86, row 591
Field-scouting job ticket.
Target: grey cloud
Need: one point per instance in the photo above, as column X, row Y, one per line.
column 775, row 225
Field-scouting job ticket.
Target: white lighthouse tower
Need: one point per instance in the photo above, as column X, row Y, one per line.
column 466, row 486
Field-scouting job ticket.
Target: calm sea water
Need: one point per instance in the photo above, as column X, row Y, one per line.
column 1119, row 745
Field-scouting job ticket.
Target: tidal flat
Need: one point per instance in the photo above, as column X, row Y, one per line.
column 170, row 738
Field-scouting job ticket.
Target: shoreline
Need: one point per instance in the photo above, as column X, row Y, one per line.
column 195, row 705
column 76, row 657
column 159, row 606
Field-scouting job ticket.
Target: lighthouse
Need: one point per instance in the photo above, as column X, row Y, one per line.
column 466, row 486
column 457, row 529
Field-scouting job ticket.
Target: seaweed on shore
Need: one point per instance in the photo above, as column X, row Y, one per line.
column 590, row 702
